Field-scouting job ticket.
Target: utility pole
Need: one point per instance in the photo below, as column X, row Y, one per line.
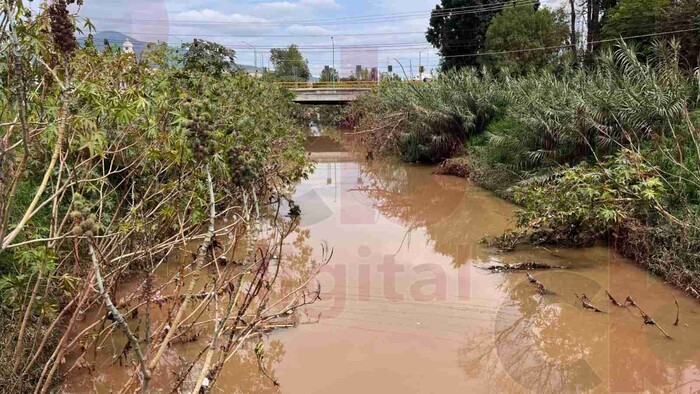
column 333, row 74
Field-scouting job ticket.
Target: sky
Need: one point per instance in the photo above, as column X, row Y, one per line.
column 368, row 33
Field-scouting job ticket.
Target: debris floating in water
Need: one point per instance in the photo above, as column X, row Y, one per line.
column 528, row 266
column 647, row 319
column 613, row 300
column 586, row 303
column 540, row 287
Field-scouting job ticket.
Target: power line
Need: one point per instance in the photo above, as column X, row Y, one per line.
column 458, row 43
column 335, row 21
column 569, row 46
column 396, row 47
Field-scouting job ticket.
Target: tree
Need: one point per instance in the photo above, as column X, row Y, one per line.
column 390, row 76
column 639, row 17
column 633, row 17
column 289, row 64
column 596, row 15
column 683, row 15
column 329, row 75
column 461, row 32
column 209, row 57
column 519, row 27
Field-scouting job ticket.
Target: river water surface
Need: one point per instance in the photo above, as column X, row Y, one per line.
column 408, row 306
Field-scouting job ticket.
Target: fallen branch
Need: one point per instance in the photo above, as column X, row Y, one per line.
column 540, row 287
column 678, row 311
column 586, row 303
column 531, row 265
column 647, row 319
column 506, row 242
column 613, row 300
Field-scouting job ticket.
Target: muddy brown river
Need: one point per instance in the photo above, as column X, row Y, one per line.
column 408, row 307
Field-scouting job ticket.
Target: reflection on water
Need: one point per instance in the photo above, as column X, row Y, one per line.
column 406, row 306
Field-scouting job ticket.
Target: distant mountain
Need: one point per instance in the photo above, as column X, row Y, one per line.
column 117, row 38
column 114, row 38
column 250, row 69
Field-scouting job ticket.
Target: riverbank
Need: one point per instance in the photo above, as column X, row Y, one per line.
column 159, row 159
column 570, row 149
column 632, row 238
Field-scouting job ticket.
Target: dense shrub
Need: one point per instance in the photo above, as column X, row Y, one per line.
column 109, row 164
column 579, row 204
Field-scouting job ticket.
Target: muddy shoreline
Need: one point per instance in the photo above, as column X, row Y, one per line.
column 625, row 240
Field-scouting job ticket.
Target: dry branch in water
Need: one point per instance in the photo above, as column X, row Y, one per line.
column 613, row 300
column 540, row 287
column 678, row 311
column 586, row 303
column 647, row 319
column 531, row 265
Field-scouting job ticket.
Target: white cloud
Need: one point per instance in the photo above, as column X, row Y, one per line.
column 320, row 3
column 209, row 15
column 301, row 4
column 303, row 29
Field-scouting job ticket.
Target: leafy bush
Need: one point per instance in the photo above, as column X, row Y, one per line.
column 583, row 202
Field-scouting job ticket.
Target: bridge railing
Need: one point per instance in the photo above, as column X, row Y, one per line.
column 327, row 85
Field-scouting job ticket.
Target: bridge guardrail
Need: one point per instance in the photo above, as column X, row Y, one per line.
column 331, row 85
column 327, row 85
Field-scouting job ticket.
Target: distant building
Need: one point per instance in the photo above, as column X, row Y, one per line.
column 128, row 47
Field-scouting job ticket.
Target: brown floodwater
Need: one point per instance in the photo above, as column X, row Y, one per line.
column 407, row 305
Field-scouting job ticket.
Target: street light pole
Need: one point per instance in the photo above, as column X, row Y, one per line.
column 420, row 60
column 255, row 55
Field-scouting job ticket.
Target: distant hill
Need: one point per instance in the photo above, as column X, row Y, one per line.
column 114, row 38
column 117, row 38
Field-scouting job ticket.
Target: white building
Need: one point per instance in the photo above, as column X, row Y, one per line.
column 128, row 47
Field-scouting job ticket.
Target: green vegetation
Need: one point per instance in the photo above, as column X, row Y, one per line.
column 458, row 33
column 630, row 15
column 289, row 64
column 526, row 28
column 208, row 57
column 610, row 151
column 329, row 74
column 110, row 165
column 467, row 38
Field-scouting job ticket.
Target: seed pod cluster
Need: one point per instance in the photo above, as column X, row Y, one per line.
column 294, row 210
column 243, row 168
column 62, row 27
column 84, row 222
column 199, row 132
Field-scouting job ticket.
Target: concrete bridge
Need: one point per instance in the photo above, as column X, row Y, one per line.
column 328, row 93
column 328, row 96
